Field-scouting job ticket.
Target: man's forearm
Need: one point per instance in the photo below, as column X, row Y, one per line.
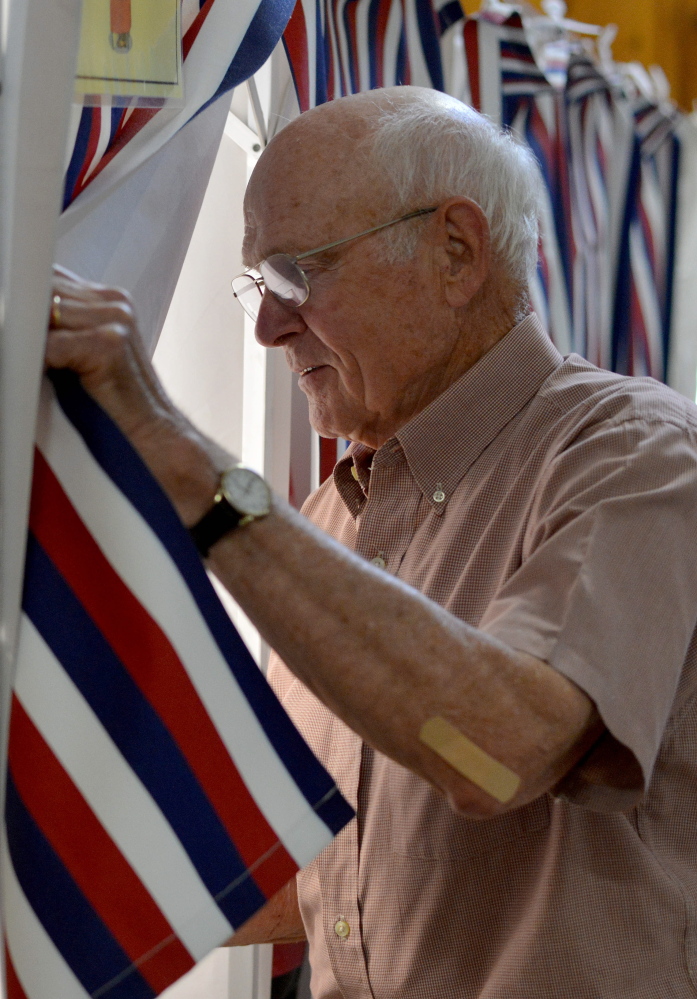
column 278, row 922
column 380, row 655
column 385, row 659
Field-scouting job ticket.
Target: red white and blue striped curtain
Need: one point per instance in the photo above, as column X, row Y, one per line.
column 610, row 168
column 224, row 43
column 157, row 793
column 643, row 309
column 506, row 84
column 340, row 47
column 600, row 143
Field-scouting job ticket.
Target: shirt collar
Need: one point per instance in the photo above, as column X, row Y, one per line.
column 442, row 442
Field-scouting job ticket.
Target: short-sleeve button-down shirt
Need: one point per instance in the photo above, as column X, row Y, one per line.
column 553, row 506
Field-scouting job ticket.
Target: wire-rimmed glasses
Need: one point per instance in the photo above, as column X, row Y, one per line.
column 281, row 275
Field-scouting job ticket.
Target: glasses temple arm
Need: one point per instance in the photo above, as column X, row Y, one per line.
column 366, row 232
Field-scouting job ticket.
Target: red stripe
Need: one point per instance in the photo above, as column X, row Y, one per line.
column 471, row 34
column 381, row 30
column 407, row 65
column 139, row 119
column 12, row 982
column 327, row 457
column 349, row 14
column 194, row 28
column 649, row 242
column 638, row 341
column 150, row 659
column 95, row 129
column 93, row 860
column 287, row 957
column 539, row 130
column 295, row 37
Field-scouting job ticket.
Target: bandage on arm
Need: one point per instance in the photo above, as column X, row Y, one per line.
column 469, row 760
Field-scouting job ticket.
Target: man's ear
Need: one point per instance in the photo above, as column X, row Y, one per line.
column 465, row 245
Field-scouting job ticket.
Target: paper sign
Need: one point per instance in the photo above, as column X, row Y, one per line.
column 130, row 49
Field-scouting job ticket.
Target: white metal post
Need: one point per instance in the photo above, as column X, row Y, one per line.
column 38, row 74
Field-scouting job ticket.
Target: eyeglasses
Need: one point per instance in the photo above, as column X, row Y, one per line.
column 281, row 275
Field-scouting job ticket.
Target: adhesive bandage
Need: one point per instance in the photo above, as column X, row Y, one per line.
column 469, row 760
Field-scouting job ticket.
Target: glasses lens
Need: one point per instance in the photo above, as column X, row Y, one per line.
column 284, row 279
column 248, row 293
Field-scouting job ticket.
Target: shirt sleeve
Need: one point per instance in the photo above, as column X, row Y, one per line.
column 607, row 591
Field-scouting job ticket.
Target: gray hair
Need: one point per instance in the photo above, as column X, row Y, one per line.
column 435, row 148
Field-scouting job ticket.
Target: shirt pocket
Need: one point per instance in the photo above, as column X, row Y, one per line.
column 422, row 823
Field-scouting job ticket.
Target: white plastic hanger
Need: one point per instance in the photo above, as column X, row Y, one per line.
column 555, row 13
column 499, row 9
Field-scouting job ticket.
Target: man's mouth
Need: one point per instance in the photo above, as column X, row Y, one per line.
column 306, row 371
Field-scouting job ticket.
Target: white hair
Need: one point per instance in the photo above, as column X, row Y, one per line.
column 433, row 148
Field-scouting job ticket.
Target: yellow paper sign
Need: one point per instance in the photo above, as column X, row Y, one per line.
column 130, row 49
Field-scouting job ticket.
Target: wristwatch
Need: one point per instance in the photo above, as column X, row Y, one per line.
column 242, row 497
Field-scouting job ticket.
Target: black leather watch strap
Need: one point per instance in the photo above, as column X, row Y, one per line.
column 221, row 518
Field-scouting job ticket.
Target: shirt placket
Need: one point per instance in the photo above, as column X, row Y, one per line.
column 385, row 526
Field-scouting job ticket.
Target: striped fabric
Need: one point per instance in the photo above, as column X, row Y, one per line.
column 603, row 287
column 506, row 84
column 340, row 47
column 157, row 793
column 600, row 147
column 224, row 43
column 645, row 276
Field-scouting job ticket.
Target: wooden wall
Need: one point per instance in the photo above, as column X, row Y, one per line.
column 651, row 31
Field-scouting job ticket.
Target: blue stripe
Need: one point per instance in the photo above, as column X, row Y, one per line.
column 135, row 728
column 430, row 42
column 373, row 14
column 401, row 61
column 320, row 60
column 621, row 327
column 86, row 944
column 450, row 14
column 261, row 38
column 672, row 248
column 116, row 115
column 77, row 160
column 128, row 472
column 351, row 50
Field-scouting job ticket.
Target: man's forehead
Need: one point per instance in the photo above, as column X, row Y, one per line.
column 298, row 202
column 278, row 221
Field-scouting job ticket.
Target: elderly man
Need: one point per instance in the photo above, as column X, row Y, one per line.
column 490, row 646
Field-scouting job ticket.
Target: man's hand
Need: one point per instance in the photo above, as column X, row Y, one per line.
column 402, row 660
column 93, row 331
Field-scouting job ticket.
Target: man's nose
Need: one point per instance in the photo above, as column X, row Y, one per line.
column 276, row 321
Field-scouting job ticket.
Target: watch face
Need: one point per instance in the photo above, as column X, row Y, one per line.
column 246, row 491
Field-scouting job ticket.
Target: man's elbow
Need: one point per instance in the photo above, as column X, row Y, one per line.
column 467, row 799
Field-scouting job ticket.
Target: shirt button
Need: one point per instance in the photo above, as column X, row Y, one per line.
column 342, row 929
column 378, row 561
column 439, row 495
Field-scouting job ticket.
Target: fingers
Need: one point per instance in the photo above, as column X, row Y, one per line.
column 72, row 286
column 76, row 313
column 93, row 330
column 87, row 351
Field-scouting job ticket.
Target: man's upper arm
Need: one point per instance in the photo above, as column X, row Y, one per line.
column 607, row 590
